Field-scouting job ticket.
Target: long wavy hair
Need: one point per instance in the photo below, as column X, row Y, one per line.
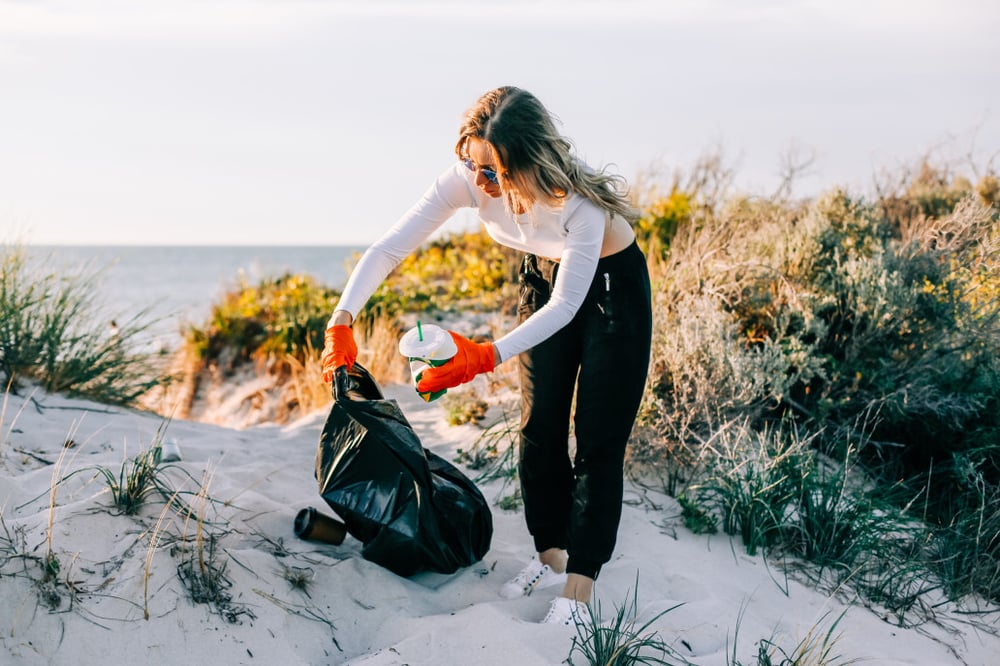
column 536, row 161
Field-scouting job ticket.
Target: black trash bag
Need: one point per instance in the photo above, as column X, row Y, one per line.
column 412, row 510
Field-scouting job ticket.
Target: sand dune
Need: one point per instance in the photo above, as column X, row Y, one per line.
column 287, row 601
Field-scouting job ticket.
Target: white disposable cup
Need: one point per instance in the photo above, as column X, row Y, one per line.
column 426, row 347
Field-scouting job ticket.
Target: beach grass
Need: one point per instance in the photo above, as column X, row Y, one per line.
column 817, row 648
column 203, row 567
column 154, row 541
column 138, row 478
column 622, row 641
column 52, row 332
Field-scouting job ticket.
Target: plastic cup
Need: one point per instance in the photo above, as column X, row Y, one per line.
column 427, row 347
column 312, row 525
column 170, row 451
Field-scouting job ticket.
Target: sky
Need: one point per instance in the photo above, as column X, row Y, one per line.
column 303, row 122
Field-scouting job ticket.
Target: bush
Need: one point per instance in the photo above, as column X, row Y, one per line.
column 863, row 329
column 907, row 345
column 461, row 271
column 277, row 316
column 287, row 315
column 275, row 328
column 837, row 314
column 52, row 331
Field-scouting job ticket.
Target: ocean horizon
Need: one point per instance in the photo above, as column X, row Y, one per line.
column 176, row 285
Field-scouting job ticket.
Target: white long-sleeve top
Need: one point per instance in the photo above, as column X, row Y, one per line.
column 573, row 233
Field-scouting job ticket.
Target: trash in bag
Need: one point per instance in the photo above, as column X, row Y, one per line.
column 412, row 510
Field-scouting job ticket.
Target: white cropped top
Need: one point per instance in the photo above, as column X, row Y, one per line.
column 573, row 233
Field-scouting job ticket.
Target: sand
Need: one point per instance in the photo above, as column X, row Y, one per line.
column 348, row 610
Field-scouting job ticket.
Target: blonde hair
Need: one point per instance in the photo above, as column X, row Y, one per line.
column 536, row 160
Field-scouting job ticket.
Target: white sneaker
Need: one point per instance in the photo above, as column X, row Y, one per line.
column 568, row 612
column 535, row 576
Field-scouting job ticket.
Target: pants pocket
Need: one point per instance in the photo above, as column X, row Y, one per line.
column 606, row 301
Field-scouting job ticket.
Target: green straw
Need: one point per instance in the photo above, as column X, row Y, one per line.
column 420, row 332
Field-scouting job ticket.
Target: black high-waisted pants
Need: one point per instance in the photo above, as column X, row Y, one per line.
column 602, row 354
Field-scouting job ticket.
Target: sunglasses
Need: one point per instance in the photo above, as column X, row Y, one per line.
column 490, row 174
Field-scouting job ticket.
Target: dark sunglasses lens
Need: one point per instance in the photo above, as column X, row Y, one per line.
column 490, row 174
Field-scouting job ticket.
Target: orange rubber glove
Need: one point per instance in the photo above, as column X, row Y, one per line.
column 339, row 348
column 471, row 359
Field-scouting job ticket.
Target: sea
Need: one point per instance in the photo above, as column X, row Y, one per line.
column 175, row 286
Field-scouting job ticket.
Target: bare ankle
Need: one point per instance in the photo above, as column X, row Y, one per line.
column 555, row 558
column 579, row 588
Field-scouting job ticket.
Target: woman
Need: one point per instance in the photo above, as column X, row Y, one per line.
column 584, row 326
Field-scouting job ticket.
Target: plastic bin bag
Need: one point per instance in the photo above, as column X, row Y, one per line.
column 412, row 510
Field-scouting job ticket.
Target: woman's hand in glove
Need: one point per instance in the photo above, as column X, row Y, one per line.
column 471, row 359
column 339, row 349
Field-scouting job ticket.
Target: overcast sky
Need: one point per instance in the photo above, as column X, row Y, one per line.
column 300, row 122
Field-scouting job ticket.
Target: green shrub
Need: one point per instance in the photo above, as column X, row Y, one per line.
column 52, row 331
column 465, row 270
column 908, row 348
column 288, row 315
column 662, row 218
column 283, row 315
column 869, row 329
column 838, row 314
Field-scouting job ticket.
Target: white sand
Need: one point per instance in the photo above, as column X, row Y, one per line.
column 356, row 612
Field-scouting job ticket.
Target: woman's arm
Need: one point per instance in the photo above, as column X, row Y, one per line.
column 450, row 192
column 577, row 266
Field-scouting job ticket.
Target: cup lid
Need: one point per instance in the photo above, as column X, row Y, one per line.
column 436, row 343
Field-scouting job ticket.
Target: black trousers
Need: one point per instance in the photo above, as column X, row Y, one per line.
column 603, row 356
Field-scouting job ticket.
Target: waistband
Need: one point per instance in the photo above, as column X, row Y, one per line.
column 618, row 259
column 622, row 258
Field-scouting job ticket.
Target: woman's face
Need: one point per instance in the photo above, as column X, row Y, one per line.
column 482, row 156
